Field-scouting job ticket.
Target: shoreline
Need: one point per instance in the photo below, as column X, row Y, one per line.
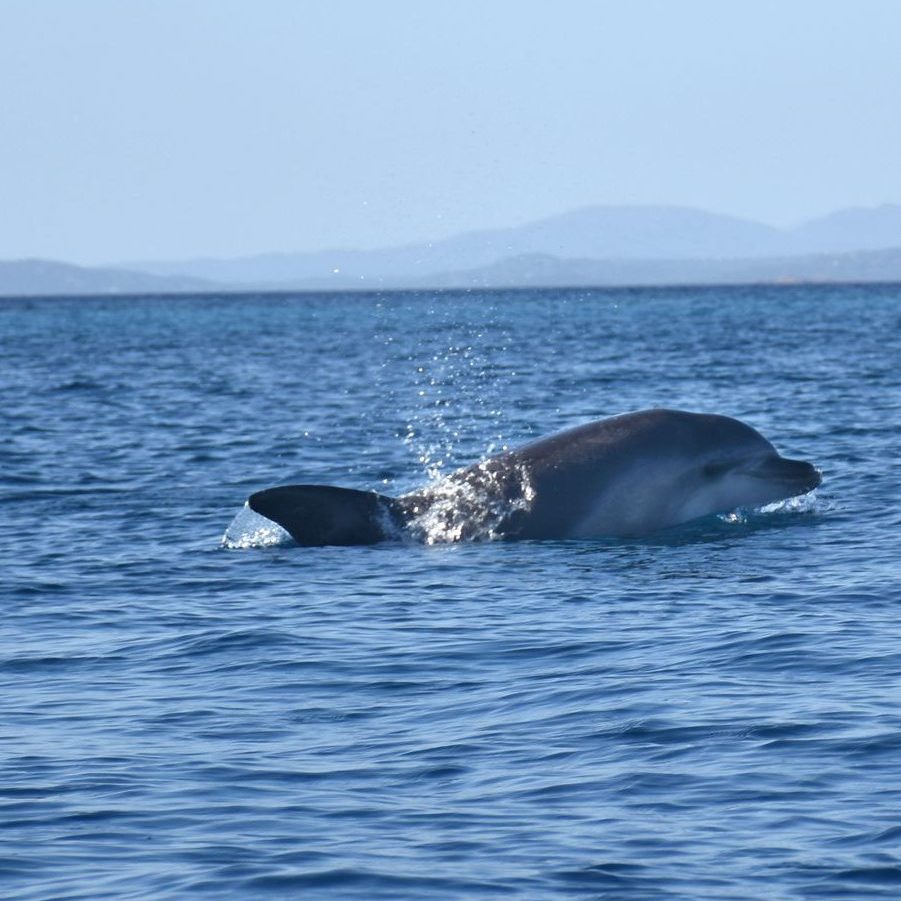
column 229, row 291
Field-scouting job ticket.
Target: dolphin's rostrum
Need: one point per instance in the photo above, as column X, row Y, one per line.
column 618, row 477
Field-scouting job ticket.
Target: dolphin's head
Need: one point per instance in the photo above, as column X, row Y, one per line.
column 635, row 473
column 737, row 467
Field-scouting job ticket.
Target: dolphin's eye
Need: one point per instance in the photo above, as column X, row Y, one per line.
column 713, row 470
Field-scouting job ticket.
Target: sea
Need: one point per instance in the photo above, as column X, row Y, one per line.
column 191, row 706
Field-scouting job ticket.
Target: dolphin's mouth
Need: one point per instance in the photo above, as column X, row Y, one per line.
column 798, row 476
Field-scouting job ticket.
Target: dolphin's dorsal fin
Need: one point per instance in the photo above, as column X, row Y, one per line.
column 317, row 515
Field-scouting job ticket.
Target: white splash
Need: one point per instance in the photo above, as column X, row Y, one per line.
column 803, row 503
column 250, row 530
column 471, row 508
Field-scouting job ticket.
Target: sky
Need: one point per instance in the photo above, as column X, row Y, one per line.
column 169, row 129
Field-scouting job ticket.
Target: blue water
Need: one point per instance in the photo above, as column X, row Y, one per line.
column 713, row 712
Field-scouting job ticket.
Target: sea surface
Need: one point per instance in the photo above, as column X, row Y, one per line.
column 709, row 712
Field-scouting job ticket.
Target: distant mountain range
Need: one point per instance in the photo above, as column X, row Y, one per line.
column 540, row 270
column 47, row 277
column 602, row 245
column 598, row 233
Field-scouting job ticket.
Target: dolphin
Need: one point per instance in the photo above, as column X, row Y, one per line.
column 620, row 477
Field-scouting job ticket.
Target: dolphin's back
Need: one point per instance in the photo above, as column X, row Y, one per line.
column 569, row 471
column 319, row 515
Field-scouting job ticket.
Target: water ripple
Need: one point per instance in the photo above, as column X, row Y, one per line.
column 709, row 712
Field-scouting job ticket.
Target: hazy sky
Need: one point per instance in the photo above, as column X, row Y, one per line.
column 137, row 129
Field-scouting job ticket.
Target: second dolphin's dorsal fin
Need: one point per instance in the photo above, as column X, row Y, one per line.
column 318, row 515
